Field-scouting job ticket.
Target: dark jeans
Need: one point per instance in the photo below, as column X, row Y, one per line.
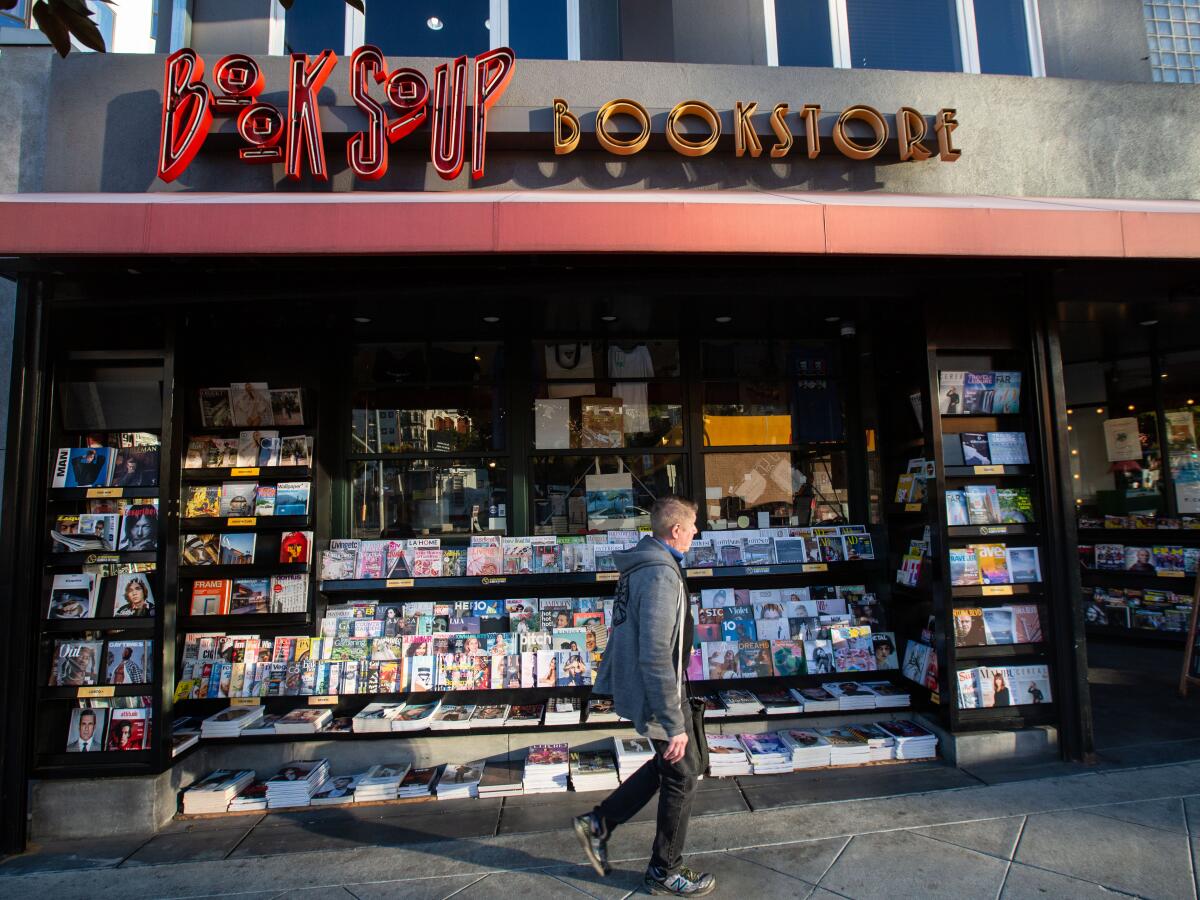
column 676, row 785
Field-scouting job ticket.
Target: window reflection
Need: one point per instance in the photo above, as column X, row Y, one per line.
column 441, row 28
column 577, row 494
column 802, row 33
column 537, row 29
column 774, row 488
column 313, row 27
column 406, row 498
column 918, row 35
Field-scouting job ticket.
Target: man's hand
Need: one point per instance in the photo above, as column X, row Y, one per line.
column 676, row 747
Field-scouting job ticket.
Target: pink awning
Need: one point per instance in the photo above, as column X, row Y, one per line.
column 478, row 221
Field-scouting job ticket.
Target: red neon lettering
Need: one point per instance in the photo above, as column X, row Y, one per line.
column 240, row 81
column 493, row 71
column 187, row 114
column 261, row 126
column 304, row 116
column 449, row 118
column 408, row 91
column 367, row 151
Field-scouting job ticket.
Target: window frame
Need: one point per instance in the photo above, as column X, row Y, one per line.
column 839, row 36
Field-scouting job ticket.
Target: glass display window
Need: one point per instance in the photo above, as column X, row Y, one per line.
column 415, row 497
column 578, row 494
column 770, row 488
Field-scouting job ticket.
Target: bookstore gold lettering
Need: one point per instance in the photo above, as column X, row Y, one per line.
column 294, row 136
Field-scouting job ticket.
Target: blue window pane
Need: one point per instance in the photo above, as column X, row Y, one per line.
column 314, row 26
column 1003, row 41
column 537, row 29
column 442, row 28
column 918, row 35
column 802, row 28
column 16, row 14
column 105, row 20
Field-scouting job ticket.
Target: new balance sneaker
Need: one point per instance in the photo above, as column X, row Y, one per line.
column 684, row 883
column 590, row 831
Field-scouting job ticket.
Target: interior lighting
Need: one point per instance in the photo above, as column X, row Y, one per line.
column 1100, row 411
column 491, row 320
column 1131, row 407
column 723, row 320
column 362, row 320
column 608, row 318
column 433, row 23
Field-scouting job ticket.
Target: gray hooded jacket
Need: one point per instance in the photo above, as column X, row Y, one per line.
column 643, row 664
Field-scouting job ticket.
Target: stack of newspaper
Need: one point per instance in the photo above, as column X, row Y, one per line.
column 546, row 769
column 769, row 755
column 253, row 798
column 502, row 778
column 881, row 744
column 593, row 770
column 726, row 756
column 230, row 721
column 780, row 703
column 420, row 783
column 460, row 780
column 632, row 754
column 296, row 783
column 809, row 749
column 912, row 741
column 381, row 782
column 214, row 793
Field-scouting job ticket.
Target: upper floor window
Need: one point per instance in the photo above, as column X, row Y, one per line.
column 1173, row 33
column 315, row 26
column 18, row 15
column 990, row 36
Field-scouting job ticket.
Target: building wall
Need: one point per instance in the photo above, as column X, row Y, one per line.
column 1102, row 40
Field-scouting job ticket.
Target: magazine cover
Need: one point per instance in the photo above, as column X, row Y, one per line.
column 215, row 408
column 858, row 546
column 914, row 661
column 139, row 527
column 979, row 390
column 983, row 504
column 291, row 498
column 969, row 628
column 999, row 626
column 288, row 594
column 1008, row 448
column 883, row 645
column 237, row 549
column 287, row 406
column 1015, row 504
column 251, row 404
column 964, row 568
column 968, row 697
column 975, row 449
column 86, row 731
column 720, row 660
column 956, row 508
column 72, row 596
column 103, row 527
column 754, row 659
column 1006, row 398
column 1030, row 685
column 1027, row 624
column 134, row 596
column 135, row 467
column 128, row 662
column 202, row 501
column 1023, row 565
column 237, row 498
column 787, row 657
column 210, row 597
column 295, row 450
column 1110, row 556
column 950, row 392
column 993, row 563
column 77, row 467
column 818, row 657
column 249, row 596
column 76, row 663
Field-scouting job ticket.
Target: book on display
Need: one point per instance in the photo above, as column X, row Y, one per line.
column 230, row 722
column 502, row 778
column 526, row 715
column 420, row 783
column 847, row 747
column 809, row 749
column 726, row 756
column 817, row 699
column 336, row 790
column 779, row 703
column 912, row 741
column 880, row 744
column 452, row 717
column 307, row 720
column 547, row 768
column 460, row 781
column 851, row 695
column 631, row 754
column 888, row 695
column 252, row 798
column 593, row 770
column 415, row 716
column 740, row 703
column 214, row 792
column 296, row 782
column 768, row 754
column 381, row 782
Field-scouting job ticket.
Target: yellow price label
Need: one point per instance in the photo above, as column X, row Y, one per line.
column 245, row 701
column 989, row 470
column 104, row 492
column 90, row 693
column 323, row 700
column 236, row 521
column 1171, row 574
column 912, row 507
column 699, row 573
column 399, row 583
column 245, row 470
column 997, row 590
column 815, row 567
column 103, row 558
column 608, row 576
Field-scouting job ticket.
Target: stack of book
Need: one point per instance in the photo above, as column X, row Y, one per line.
column 308, row 720
column 419, row 783
column 769, row 755
column 375, row 717
column 563, row 711
column 415, row 716
column 846, row 747
column 713, row 707
column 912, row 741
column 214, row 793
column 460, row 781
column 740, row 703
column 527, row 715
column 888, row 695
column 452, row 717
column 632, row 754
column 726, row 756
column 780, row 703
column 230, row 721
column 809, row 749
column 880, row 744
column 816, row 699
column 502, row 778
column 593, row 770
column 601, row 711
column 546, row 769
column 296, row 783
column 264, row 726
column 851, row 695
column 337, row 790
column 253, row 798
column 381, row 782
column 490, row 716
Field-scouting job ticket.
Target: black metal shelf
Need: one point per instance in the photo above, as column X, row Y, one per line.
column 1039, row 651
column 254, row 570
column 1121, row 578
column 265, row 473
column 91, row 557
column 233, row 430
column 851, row 572
column 972, row 591
column 1137, row 635
column 1008, row 717
column 74, row 626
column 119, row 690
column 991, row 531
column 1139, row 536
column 233, row 621
column 64, row 494
column 106, row 763
column 221, row 524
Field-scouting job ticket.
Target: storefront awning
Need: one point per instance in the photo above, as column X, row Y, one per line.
column 702, row 221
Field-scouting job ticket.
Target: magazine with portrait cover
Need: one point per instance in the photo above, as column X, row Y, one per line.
column 129, row 662
column 993, row 563
column 76, row 663
column 287, row 406
column 135, row 467
column 77, row 467
column 295, row 450
column 818, row 657
column 86, row 730
column 139, row 527
column 950, row 393
column 128, row 729
column 72, row 596
column 975, row 447
column 251, row 404
column 216, row 410
column 100, row 528
column 858, row 546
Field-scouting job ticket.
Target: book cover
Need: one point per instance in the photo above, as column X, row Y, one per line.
column 979, row 390
column 76, row 663
column 993, row 563
column 264, row 500
column 86, row 730
column 999, row 626
column 128, row 729
column 72, row 596
column 983, row 504
column 291, row 498
column 287, row 406
column 251, row 404
column 858, row 546
column 288, row 594
column 216, row 410
column 1008, row 448
column 1006, row 398
column 129, row 662
column 199, row 549
column 237, row 498
column 964, row 567
column 295, row 450
column 237, row 549
column 956, row 508
column 1015, row 504
column 211, row 597
column 950, row 392
column 975, row 447
column 136, row 467
column 202, row 501
column 295, row 547
column 1024, row 565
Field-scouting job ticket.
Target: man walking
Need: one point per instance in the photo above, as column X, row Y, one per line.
column 643, row 670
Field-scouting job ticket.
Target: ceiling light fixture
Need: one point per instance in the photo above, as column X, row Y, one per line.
column 362, row 320
column 608, row 318
column 1146, row 323
column 724, row 320
column 433, row 23
column 491, row 320
column 833, row 318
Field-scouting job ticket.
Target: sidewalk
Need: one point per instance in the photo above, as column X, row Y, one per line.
column 1134, row 831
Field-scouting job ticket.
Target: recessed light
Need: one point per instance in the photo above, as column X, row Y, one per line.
column 491, row 320
column 1148, row 322
column 1191, row 402
column 724, row 320
column 833, row 318
column 433, row 23
column 1164, row 374
column 608, row 318
column 1131, row 407
column 362, row 320
column 487, row 23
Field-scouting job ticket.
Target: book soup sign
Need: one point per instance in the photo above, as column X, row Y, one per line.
column 294, row 136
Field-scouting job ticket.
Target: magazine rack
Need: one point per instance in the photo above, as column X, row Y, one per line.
column 1190, row 675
